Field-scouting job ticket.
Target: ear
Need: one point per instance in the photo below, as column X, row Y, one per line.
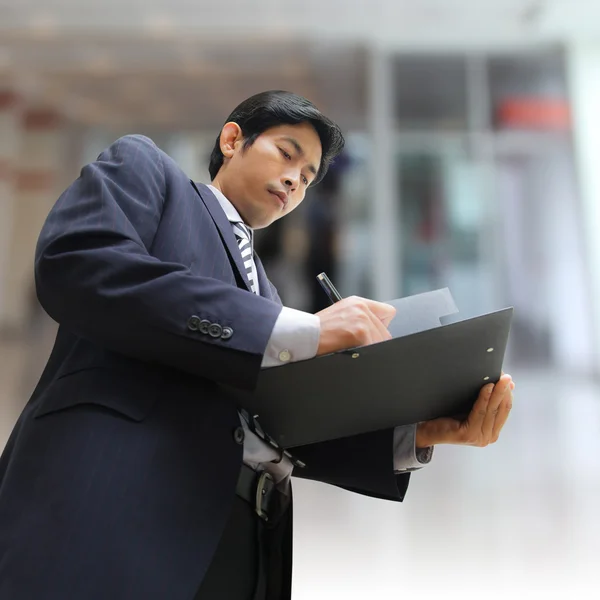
column 231, row 138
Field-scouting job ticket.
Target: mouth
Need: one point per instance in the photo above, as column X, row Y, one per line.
column 281, row 197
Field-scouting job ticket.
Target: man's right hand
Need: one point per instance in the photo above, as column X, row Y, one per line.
column 354, row 322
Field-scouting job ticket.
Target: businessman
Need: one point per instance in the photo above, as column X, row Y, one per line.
column 131, row 475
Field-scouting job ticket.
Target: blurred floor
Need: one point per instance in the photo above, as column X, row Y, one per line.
column 515, row 520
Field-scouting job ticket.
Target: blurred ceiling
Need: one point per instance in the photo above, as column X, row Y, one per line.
column 181, row 84
column 178, row 62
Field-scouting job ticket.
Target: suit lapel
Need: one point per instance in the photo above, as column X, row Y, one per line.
column 263, row 283
column 225, row 230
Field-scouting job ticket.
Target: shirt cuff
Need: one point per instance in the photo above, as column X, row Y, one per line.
column 295, row 337
column 407, row 457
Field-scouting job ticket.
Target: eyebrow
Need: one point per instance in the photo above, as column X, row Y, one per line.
column 294, row 142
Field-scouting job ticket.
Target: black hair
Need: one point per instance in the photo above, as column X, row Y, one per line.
column 270, row 109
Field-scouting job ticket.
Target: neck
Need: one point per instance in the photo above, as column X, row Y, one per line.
column 216, row 183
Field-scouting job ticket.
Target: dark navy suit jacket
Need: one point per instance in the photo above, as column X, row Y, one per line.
column 118, row 477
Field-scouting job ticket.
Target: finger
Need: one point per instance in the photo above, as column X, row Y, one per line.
column 384, row 312
column 493, row 406
column 365, row 332
column 380, row 331
column 388, row 319
column 503, row 414
column 479, row 410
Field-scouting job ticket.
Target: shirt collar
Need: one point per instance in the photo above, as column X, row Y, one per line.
column 229, row 209
column 233, row 216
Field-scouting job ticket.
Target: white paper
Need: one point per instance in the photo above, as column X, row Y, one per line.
column 421, row 312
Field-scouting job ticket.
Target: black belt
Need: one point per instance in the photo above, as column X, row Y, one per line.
column 259, row 490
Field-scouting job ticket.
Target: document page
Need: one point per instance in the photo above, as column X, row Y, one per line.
column 421, row 312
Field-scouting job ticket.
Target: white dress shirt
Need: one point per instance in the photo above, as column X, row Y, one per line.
column 295, row 337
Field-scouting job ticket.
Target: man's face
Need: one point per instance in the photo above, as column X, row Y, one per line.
column 269, row 179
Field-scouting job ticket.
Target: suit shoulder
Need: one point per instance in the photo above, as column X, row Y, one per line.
column 136, row 148
column 140, row 150
column 135, row 140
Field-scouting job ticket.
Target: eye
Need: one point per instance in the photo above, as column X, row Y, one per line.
column 287, row 156
column 305, row 180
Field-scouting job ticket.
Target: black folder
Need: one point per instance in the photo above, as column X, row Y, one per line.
column 416, row 377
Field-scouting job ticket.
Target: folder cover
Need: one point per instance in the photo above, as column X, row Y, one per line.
column 433, row 372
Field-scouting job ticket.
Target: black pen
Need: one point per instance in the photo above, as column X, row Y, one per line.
column 329, row 288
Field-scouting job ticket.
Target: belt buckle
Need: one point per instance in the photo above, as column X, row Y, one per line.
column 264, row 487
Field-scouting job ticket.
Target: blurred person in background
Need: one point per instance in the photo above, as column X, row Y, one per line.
column 130, row 473
column 322, row 225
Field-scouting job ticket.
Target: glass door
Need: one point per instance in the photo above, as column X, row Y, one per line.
column 443, row 212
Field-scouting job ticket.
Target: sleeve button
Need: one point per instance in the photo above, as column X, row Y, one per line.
column 203, row 326
column 193, row 323
column 215, row 330
column 285, row 356
column 227, row 333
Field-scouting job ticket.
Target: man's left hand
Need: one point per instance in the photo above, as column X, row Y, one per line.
column 481, row 427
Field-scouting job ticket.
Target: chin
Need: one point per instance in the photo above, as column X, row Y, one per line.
column 261, row 219
column 262, row 223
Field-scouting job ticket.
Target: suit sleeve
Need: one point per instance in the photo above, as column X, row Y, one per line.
column 96, row 277
column 361, row 463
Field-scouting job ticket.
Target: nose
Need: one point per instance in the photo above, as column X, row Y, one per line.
column 291, row 181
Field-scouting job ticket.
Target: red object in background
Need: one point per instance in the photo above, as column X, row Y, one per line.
column 534, row 113
column 7, row 99
column 41, row 120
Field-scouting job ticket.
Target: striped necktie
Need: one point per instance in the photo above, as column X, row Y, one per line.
column 242, row 235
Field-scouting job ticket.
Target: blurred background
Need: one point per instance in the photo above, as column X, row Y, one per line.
column 472, row 132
